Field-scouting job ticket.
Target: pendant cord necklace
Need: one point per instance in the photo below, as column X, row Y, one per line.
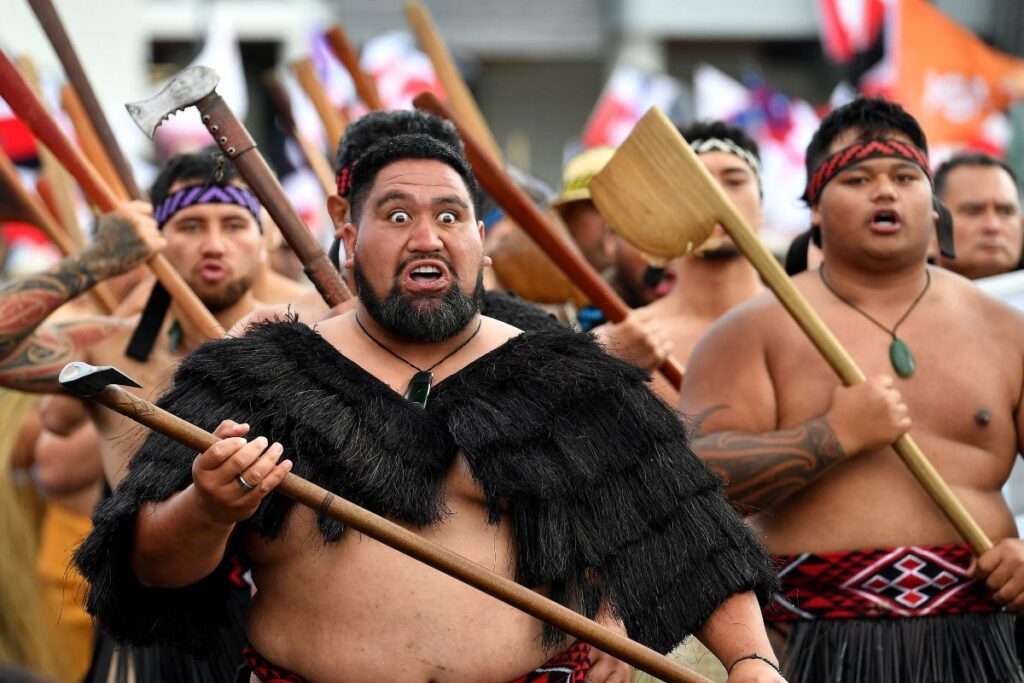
column 899, row 353
column 419, row 386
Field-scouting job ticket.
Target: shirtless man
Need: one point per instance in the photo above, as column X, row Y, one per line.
column 215, row 245
column 713, row 280
column 981, row 194
column 529, row 453
column 870, row 567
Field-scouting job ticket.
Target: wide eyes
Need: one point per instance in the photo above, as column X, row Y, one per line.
column 400, row 217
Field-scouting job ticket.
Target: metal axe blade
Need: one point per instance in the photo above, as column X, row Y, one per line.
column 183, row 90
column 87, row 380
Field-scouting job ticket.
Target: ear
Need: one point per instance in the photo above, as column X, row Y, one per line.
column 338, row 209
column 816, row 215
column 348, row 238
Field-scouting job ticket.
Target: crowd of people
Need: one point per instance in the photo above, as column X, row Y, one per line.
column 754, row 523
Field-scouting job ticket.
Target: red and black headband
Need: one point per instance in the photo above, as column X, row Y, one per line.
column 855, row 154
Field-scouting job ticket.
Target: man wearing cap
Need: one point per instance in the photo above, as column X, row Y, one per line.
column 717, row 277
column 877, row 585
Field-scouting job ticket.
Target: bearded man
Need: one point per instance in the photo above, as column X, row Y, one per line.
column 533, row 454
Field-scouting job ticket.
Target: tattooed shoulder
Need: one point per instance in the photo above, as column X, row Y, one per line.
column 36, row 363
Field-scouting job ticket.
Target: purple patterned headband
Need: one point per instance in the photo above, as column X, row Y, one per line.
column 214, row 194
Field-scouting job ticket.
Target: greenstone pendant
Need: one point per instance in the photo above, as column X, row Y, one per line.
column 901, row 358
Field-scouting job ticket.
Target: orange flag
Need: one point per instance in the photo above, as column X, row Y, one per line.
column 946, row 76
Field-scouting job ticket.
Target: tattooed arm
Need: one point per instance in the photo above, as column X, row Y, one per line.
column 739, row 432
column 124, row 239
column 760, row 469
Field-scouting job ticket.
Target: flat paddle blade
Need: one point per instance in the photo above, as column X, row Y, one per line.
column 656, row 193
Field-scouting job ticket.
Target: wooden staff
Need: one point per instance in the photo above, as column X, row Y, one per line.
column 19, row 204
column 53, row 184
column 30, row 110
column 520, row 207
column 334, row 122
column 89, row 140
column 349, row 58
column 393, row 535
column 462, row 102
column 54, row 28
column 314, row 158
column 656, row 169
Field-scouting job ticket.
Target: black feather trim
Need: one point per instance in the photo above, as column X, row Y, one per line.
column 595, row 473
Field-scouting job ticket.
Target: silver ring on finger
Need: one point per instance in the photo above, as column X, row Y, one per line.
column 246, row 486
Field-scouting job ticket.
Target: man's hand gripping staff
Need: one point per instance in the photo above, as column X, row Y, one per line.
column 227, row 465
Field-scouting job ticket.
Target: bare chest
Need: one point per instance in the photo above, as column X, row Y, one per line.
column 964, row 387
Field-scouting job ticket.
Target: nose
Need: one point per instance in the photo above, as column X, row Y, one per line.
column 213, row 242
column 991, row 221
column 884, row 188
column 423, row 237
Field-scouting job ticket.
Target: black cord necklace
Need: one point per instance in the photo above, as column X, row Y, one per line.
column 899, row 353
column 418, row 389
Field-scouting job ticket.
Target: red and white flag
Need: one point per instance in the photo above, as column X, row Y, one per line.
column 400, row 70
column 627, row 96
column 849, row 27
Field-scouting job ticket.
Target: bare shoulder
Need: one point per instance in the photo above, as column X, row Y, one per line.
column 496, row 332
column 308, row 308
column 986, row 313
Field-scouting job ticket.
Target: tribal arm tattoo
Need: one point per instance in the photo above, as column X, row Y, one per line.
column 36, row 363
column 25, row 302
column 761, row 469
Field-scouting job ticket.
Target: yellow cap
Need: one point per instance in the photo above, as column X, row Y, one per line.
column 578, row 173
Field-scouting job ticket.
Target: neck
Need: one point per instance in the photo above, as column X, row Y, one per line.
column 708, row 288
column 897, row 286
column 420, row 354
column 191, row 337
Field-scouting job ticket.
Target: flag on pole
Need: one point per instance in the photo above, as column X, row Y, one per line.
column 849, row 27
column 946, row 76
column 400, row 70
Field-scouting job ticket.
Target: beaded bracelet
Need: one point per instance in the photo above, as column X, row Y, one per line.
column 754, row 655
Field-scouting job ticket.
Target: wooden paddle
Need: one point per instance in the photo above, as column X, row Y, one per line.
column 657, row 192
column 461, row 100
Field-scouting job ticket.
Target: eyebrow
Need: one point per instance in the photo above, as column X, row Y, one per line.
column 398, row 195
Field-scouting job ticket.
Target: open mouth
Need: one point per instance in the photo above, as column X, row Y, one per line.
column 426, row 276
column 885, row 220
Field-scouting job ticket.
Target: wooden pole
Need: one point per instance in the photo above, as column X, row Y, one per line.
column 334, row 122
column 314, row 158
column 461, row 100
column 89, row 141
column 349, row 58
column 30, row 110
column 30, row 209
column 520, row 207
column 415, row 546
column 54, row 28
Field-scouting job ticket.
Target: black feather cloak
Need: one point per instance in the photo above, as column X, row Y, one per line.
column 605, row 497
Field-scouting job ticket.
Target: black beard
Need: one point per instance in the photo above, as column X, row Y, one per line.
column 400, row 315
column 227, row 297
